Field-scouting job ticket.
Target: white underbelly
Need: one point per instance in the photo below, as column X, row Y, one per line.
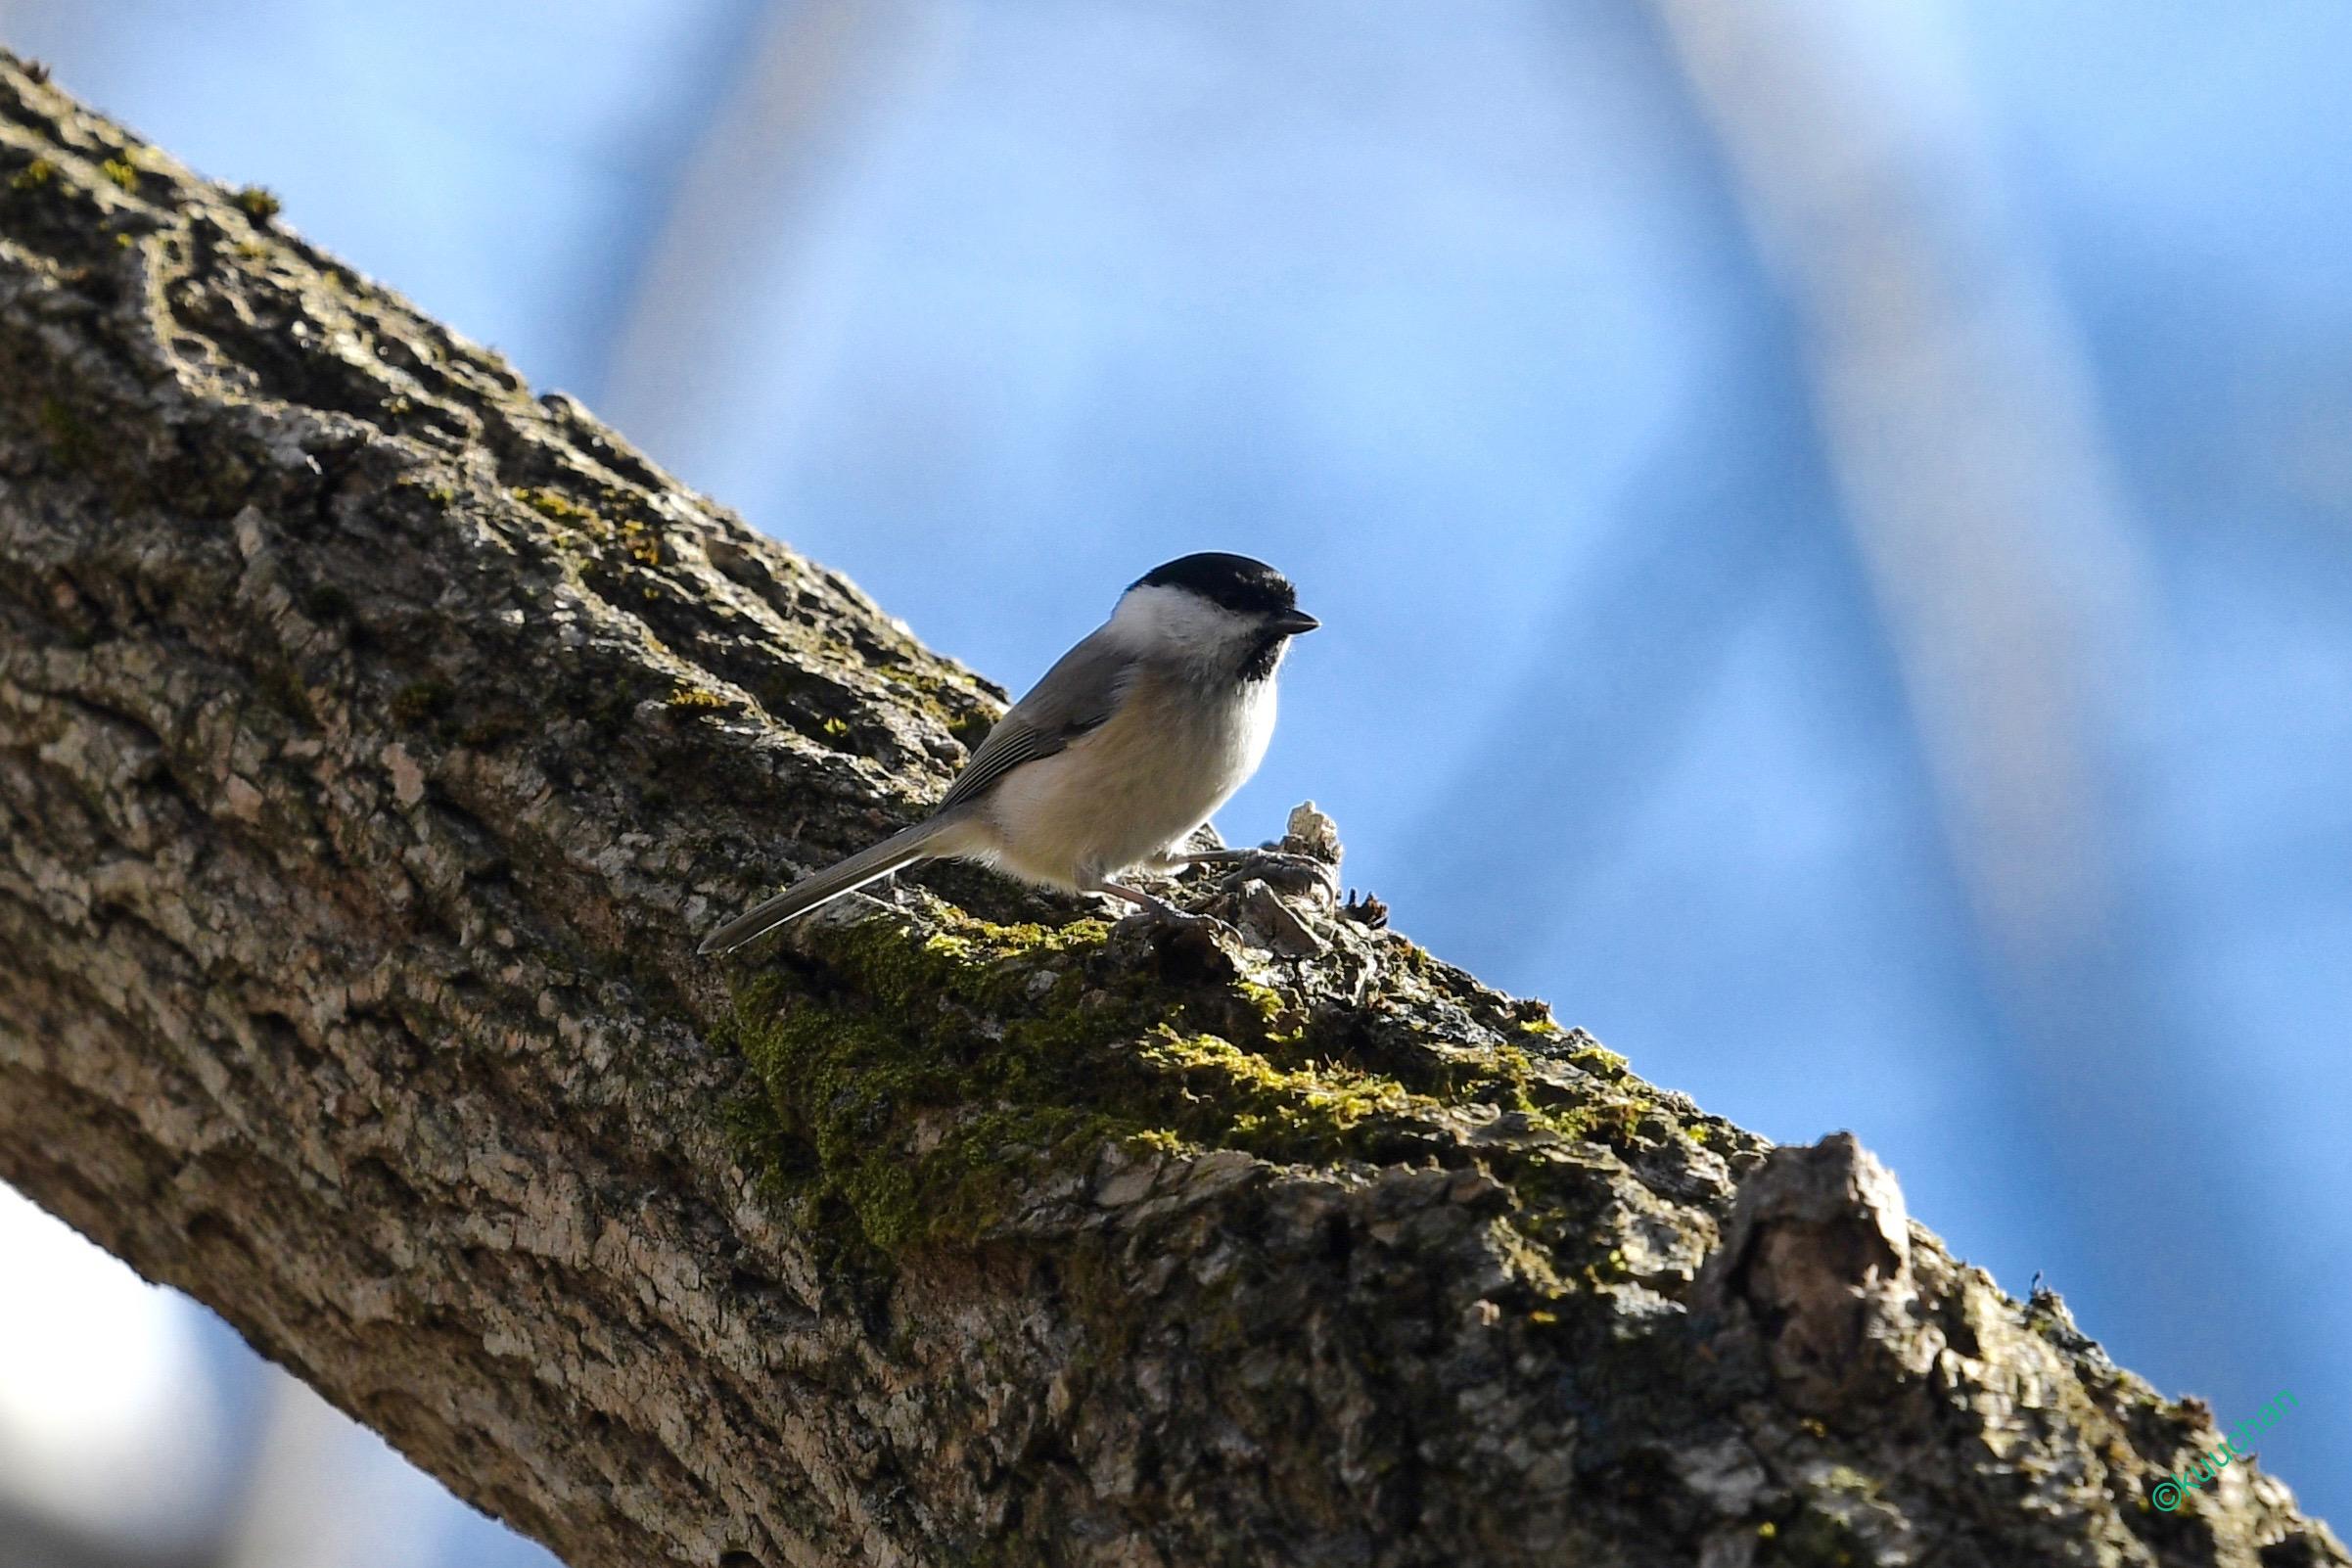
column 1133, row 789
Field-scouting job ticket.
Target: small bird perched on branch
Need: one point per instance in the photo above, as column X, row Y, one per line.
column 1133, row 739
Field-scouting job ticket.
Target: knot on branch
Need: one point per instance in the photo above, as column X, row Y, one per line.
column 1817, row 1263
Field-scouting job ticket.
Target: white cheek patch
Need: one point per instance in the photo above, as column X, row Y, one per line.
column 1179, row 621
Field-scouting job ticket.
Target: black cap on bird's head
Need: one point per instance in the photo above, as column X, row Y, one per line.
column 1234, row 582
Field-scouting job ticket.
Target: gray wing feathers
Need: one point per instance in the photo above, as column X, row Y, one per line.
column 866, row 865
column 1078, row 694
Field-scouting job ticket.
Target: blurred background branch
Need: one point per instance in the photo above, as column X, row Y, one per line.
column 1976, row 487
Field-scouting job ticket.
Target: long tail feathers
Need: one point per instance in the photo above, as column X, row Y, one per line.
column 866, row 865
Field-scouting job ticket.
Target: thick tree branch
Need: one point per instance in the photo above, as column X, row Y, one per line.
column 374, row 741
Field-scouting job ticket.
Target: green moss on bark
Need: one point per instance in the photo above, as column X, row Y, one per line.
column 933, row 1079
column 942, row 1076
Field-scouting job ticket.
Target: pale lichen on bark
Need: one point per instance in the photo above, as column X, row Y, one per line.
column 376, row 739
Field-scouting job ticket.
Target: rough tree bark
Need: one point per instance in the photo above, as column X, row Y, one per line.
column 374, row 741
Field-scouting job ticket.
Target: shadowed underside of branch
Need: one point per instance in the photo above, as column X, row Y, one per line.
column 376, row 739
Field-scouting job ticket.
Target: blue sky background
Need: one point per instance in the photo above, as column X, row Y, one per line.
column 1835, row 543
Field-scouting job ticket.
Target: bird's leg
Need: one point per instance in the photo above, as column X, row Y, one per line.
column 1213, row 857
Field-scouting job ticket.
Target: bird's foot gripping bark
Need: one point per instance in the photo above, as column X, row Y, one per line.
column 1151, row 911
column 1167, row 921
column 1303, row 875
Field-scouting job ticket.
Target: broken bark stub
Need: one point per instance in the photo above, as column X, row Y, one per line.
column 1818, row 1252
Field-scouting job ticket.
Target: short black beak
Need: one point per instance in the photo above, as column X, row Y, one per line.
column 1290, row 622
